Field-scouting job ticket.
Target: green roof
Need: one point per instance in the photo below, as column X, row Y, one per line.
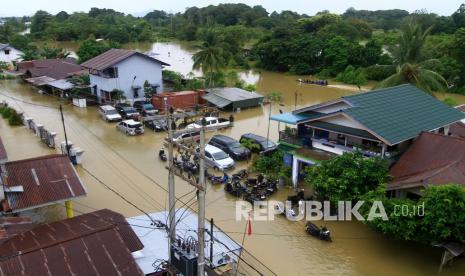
column 400, row 113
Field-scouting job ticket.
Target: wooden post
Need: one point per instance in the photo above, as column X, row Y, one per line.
column 69, row 209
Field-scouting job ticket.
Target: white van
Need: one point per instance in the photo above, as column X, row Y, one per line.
column 109, row 113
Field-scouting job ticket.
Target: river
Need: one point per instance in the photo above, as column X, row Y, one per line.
column 130, row 165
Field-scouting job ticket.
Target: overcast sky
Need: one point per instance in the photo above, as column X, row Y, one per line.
column 28, row 7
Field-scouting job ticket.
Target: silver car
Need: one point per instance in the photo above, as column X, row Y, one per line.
column 218, row 159
column 130, row 127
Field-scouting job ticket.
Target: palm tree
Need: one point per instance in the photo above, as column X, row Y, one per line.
column 210, row 58
column 410, row 66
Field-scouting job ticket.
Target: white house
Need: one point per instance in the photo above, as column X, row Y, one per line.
column 9, row 54
column 125, row 70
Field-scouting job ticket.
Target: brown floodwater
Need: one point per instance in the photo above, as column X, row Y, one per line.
column 130, row 166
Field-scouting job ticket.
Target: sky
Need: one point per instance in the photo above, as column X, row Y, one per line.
column 310, row 7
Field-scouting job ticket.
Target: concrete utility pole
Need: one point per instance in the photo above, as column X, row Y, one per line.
column 171, row 189
column 201, row 199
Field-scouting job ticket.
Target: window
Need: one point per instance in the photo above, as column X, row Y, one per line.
column 7, row 51
column 111, row 72
column 208, row 155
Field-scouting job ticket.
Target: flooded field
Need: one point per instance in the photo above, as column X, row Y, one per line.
column 130, row 165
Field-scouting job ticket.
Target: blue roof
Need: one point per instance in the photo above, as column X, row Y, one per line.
column 290, row 118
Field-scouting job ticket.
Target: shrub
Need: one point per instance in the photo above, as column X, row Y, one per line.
column 15, row 118
column 6, row 112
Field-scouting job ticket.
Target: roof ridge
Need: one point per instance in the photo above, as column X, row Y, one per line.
column 379, row 90
column 44, row 157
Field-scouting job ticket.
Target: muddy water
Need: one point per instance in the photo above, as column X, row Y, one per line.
column 130, row 166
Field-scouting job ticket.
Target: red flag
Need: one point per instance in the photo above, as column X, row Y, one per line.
column 249, row 227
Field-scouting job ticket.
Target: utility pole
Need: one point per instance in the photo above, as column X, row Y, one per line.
column 171, row 189
column 201, row 199
column 64, row 130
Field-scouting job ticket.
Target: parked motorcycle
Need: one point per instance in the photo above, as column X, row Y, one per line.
column 322, row 233
column 162, row 155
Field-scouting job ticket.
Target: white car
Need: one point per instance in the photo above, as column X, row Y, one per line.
column 211, row 122
column 130, row 127
column 218, row 159
column 109, row 113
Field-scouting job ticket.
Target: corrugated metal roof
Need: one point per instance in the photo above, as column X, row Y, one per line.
column 433, row 159
column 53, row 68
column 234, row 94
column 12, row 226
column 61, row 84
column 89, row 244
column 3, row 154
column 112, row 57
column 39, row 81
column 216, row 100
column 45, row 180
column 293, row 119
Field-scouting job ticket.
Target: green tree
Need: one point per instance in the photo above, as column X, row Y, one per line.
column 210, row 58
column 410, row 67
column 90, row 48
column 52, row 52
column 148, row 90
column 39, row 23
column 347, row 177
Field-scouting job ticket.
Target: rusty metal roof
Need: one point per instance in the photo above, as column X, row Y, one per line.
column 44, row 180
column 112, row 57
column 457, row 129
column 433, row 159
column 52, row 68
column 12, row 226
column 3, row 154
column 98, row 243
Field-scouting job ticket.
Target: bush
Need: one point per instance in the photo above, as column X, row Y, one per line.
column 352, row 76
column 347, row 177
column 450, row 102
column 379, row 72
column 15, row 119
column 6, row 112
column 272, row 166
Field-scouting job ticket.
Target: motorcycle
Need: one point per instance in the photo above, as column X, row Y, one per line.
column 219, row 179
column 321, row 233
column 162, row 155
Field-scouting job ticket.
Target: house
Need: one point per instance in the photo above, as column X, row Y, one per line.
column 9, row 54
column 379, row 123
column 232, row 98
column 433, row 159
column 37, row 182
column 97, row 243
column 125, row 70
column 155, row 241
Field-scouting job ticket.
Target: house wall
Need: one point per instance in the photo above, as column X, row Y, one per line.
column 14, row 55
column 136, row 66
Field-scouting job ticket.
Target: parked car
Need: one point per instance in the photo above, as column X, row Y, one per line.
column 109, row 113
column 218, row 159
column 144, row 108
column 211, row 123
column 231, row 146
column 126, row 111
column 260, row 142
column 156, row 125
column 130, row 127
column 187, row 137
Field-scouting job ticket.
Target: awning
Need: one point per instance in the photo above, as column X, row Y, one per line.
column 39, row 81
column 216, row 100
column 61, row 84
column 290, row 118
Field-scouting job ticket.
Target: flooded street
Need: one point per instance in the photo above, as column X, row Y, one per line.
column 130, row 165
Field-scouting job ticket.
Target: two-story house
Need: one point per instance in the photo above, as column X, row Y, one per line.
column 9, row 54
column 124, row 70
column 379, row 123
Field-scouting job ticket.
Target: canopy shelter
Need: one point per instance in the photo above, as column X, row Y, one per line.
column 232, row 98
column 61, row 84
column 291, row 118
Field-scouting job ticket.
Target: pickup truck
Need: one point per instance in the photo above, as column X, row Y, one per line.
column 212, row 122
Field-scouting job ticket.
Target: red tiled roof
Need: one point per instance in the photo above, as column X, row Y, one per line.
column 3, row 154
column 98, row 243
column 113, row 56
column 433, row 159
column 461, row 107
column 53, row 68
column 45, row 180
column 12, row 226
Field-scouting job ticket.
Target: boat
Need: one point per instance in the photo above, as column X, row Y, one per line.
column 315, row 82
column 322, row 233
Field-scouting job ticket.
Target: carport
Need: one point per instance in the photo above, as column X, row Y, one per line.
column 232, row 98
